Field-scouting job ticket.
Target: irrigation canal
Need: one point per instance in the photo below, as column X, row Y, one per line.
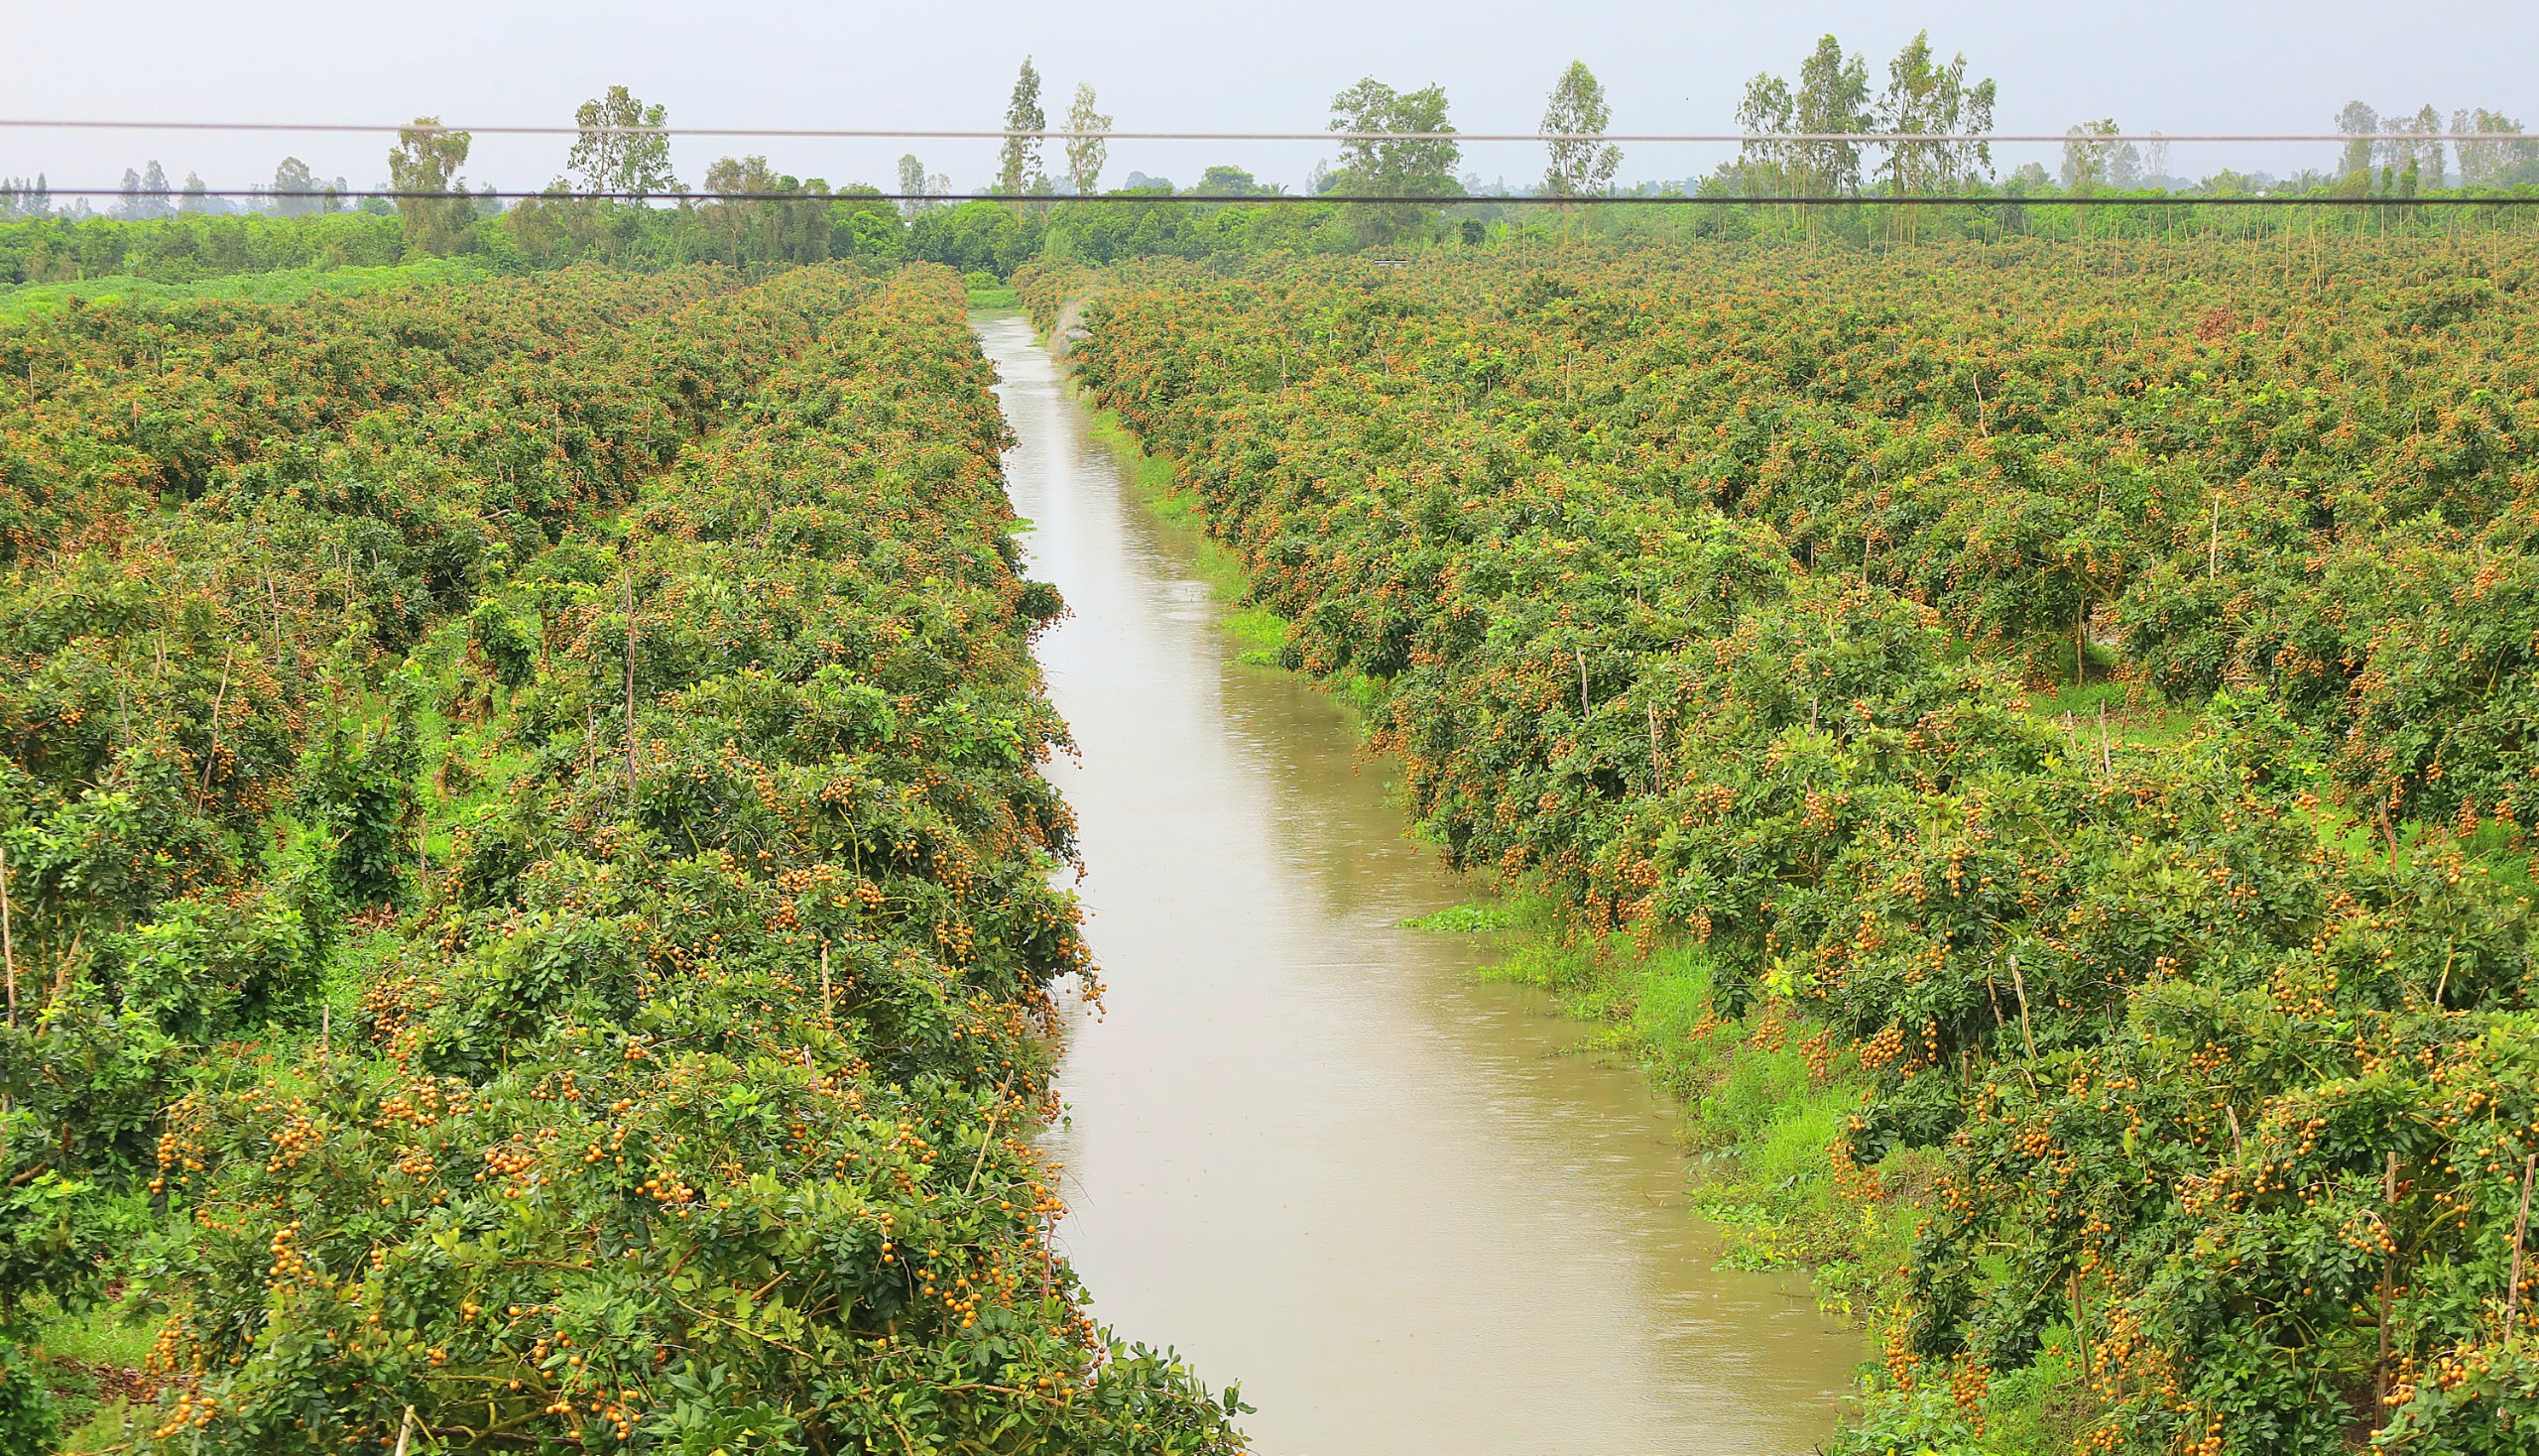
column 1306, row 1145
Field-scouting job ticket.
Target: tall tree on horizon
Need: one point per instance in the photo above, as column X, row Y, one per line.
column 1581, row 165
column 609, row 158
column 2489, row 164
column 912, row 184
column 1381, row 159
column 1086, row 155
column 1925, row 97
column 2418, row 158
column 1018, row 162
column 2359, row 122
column 154, row 191
column 1832, row 98
column 292, row 175
column 2090, row 162
column 1764, row 164
column 425, row 162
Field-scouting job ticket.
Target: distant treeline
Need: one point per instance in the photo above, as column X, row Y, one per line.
column 996, row 237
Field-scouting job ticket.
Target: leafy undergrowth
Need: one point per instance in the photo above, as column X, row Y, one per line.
column 282, row 286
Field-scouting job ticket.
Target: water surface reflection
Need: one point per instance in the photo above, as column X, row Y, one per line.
column 1305, row 1145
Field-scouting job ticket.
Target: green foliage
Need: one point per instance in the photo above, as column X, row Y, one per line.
column 28, row 1423
column 211, row 967
column 193, row 247
column 358, row 787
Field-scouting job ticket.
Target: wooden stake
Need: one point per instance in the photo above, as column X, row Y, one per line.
column 630, row 686
column 2106, row 755
column 1582, row 681
column 2213, row 550
column 212, row 753
column 2018, row 983
column 2521, row 1226
column 2079, row 1326
column 62, row 977
column 8, row 942
column 824, row 978
column 405, row 1430
column 2388, row 1281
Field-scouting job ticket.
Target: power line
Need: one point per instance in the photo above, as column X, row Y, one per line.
column 1062, row 135
column 1661, row 200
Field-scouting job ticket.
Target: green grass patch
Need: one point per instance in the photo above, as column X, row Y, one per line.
column 282, row 287
column 81, row 1358
column 2132, row 717
column 1466, row 920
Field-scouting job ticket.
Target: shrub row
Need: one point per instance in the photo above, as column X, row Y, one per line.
column 1708, row 601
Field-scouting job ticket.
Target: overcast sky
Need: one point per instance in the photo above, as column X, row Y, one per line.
column 2177, row 66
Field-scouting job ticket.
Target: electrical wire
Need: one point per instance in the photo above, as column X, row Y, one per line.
column 1977, row 199
column 1063, row 135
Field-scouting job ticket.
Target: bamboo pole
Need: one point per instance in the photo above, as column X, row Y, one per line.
column 2079, row 1326
column 8, row 942
column 2389, row 1280
column 2018, row 983
column 2521, row 1226
column 629, row 686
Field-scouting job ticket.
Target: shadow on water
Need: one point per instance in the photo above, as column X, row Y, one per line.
column 1307, row 1146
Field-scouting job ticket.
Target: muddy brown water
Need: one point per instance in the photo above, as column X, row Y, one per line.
column 1306, row 1145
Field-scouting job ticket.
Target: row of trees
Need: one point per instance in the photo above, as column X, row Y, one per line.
column 2404, row 153
column 1019, row 168
column 1800, row 143
column 147, row 195
column 1833, row 97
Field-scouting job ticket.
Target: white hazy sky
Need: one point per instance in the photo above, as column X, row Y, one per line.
column 2177, row 66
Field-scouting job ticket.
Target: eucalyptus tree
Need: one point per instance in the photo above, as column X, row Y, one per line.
column 1582, row 164
column 1924, row 97
column 423, row 168
column 620, row 148
column 1086, row 154
column 295, row 189
column 1832, row 99
column 1018, row 162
